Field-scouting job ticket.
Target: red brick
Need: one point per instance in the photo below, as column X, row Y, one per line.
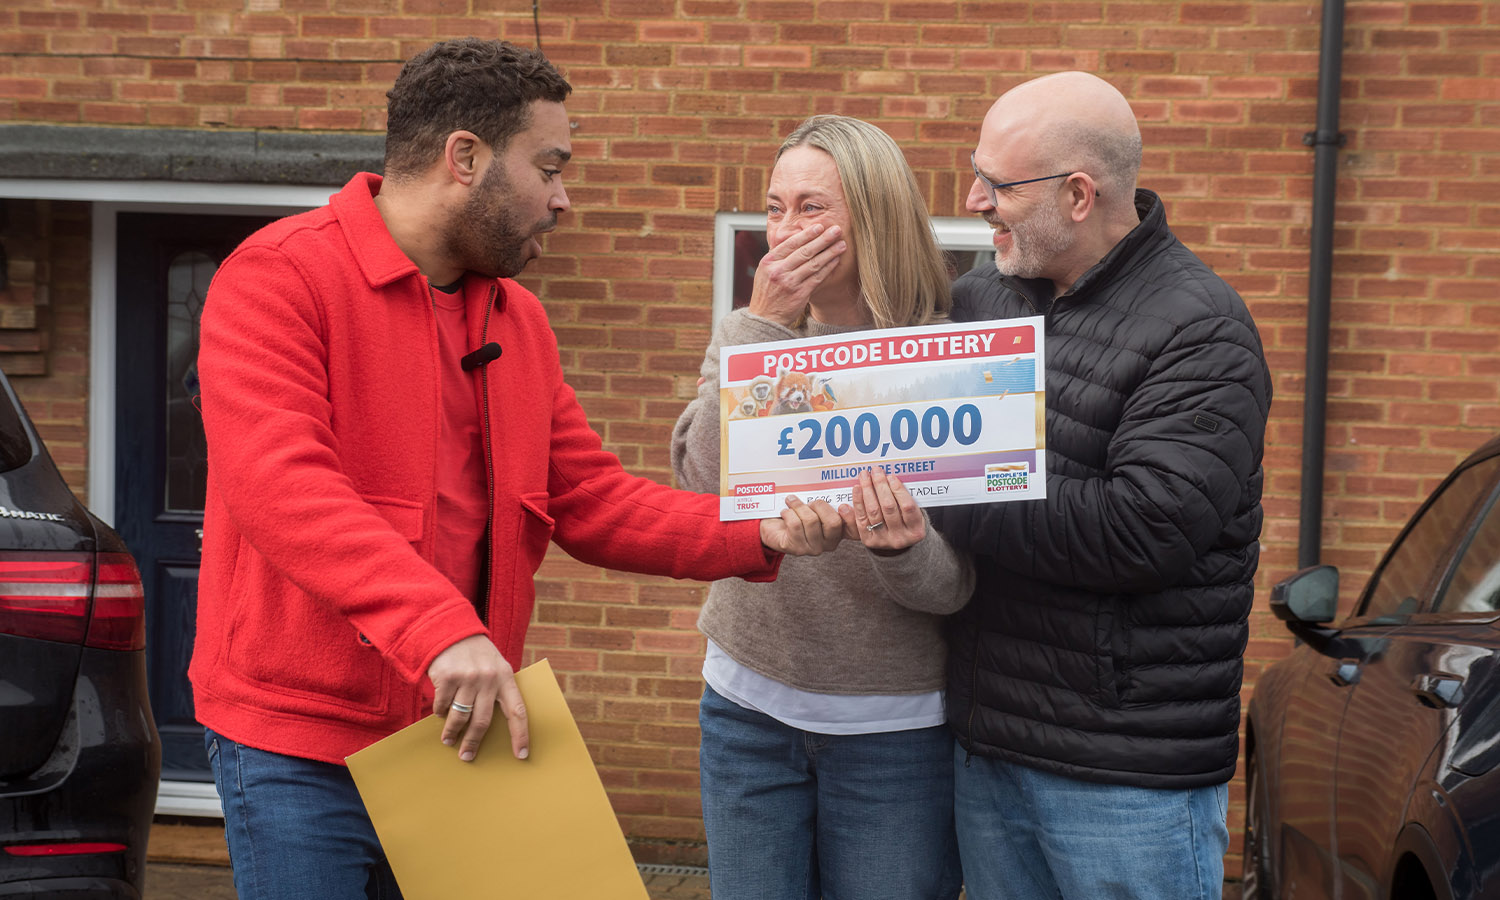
column 1446, row 13
column 35, row 88
column 778, row 57
column 333, row 26
column 46, row 21
column 742, row 33
column 1180, row 39
column 115, row 113
column 707, row 55
column 923, row 12
column 48, row 111
column 1486, row 89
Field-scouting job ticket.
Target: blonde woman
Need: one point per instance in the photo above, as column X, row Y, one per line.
column 826, row 765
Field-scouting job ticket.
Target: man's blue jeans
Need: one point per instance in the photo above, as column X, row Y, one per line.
column 1027, row 835
column 296, row 828
column 794, row 815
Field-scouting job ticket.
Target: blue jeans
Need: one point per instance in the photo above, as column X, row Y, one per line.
column 1027, row 834
column 296, row 828
column 793, row 815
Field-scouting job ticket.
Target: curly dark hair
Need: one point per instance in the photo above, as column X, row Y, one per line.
column 486, row 87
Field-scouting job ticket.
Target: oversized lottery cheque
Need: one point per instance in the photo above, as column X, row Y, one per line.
column 955, row 410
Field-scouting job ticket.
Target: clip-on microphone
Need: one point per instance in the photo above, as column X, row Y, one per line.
column 481, row 357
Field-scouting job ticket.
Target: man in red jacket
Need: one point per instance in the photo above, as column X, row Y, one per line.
column 391, row 448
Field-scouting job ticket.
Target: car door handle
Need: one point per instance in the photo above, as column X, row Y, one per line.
column 1438, row 691
column 1346, row 674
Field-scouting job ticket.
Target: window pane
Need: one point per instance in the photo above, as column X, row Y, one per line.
column 187, row 450
column 1475, row 586
column 1417, row 561
column 750, row 245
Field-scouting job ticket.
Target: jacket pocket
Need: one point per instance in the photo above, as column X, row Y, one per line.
column 402, row 515
column 534, row 535
column 295, row 654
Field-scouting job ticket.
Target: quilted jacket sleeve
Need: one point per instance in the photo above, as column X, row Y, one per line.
column 1178, row 469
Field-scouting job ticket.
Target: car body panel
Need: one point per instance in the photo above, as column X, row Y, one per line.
column 1376, row 740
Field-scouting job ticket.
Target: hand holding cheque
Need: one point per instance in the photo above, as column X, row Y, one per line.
column 884, row 515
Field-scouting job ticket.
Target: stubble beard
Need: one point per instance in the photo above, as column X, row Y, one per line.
column 487, row 236
column 1036, row 241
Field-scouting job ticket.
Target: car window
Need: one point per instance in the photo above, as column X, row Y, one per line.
column 1415, row 563
column 1475, row 585
column 15, row 446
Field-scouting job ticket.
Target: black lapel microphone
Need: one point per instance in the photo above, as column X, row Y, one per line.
column 481, row 357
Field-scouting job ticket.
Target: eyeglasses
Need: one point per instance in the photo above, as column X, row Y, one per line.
column 991, row 187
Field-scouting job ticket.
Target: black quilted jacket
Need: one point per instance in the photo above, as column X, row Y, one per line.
column 1106, row 634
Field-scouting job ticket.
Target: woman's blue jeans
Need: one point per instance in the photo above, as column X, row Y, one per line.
column 794, row 815
column 1031, row 835
column 296, row 828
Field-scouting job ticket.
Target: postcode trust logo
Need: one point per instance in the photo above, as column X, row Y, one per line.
column 759, row 497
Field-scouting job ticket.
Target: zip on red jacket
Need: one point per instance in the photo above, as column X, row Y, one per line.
column 319, row 610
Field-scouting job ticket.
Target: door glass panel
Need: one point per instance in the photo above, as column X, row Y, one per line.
column 1475, row 586
column 188, row 276
column 1414, row 565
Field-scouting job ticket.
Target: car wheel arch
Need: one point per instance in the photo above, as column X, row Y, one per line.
column 1416, row 864
column 1258, row 883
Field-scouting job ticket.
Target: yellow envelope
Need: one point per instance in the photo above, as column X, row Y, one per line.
column 498, row 827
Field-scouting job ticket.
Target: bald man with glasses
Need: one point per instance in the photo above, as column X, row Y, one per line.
column 1094, row 678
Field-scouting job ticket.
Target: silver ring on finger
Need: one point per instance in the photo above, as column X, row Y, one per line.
column 874, row 526
column 461, row 707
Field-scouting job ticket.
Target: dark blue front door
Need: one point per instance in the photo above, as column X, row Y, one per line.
column 164, row 264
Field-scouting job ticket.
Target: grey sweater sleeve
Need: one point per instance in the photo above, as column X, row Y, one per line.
column 930, row 576
column 695, row 437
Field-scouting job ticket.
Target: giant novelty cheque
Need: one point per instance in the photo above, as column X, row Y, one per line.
column 956, row 411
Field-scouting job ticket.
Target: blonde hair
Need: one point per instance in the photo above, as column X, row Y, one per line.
column 902, row 275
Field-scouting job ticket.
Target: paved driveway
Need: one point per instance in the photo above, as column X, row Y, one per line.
column 178, row 881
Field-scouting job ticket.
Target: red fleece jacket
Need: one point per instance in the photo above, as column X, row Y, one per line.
column 319, row 610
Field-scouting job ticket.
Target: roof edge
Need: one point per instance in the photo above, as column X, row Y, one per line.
column 85, row 152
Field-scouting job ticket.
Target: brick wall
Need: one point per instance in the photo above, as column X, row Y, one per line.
column 44, row 323
column 678, row 109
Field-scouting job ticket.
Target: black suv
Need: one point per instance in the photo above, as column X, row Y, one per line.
column 79, row 754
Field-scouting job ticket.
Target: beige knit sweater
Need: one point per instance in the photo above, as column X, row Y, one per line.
column 846, row 622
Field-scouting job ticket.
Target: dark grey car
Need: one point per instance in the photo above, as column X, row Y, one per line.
column 79, row 754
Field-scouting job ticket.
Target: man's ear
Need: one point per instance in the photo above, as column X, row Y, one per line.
column 462, row 154
column 1082, row 193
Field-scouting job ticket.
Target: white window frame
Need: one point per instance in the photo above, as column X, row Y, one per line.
column 952, row 233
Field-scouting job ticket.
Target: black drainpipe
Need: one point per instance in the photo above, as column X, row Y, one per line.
column 1325, row 141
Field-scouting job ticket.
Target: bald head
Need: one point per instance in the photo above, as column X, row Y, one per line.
column 1070, row 120
column 1055, row 171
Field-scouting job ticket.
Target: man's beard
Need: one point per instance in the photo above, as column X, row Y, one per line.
column 488, row 237
column 1035, row 242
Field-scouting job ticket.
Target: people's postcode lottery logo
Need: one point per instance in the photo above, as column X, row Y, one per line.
column 1006, row 477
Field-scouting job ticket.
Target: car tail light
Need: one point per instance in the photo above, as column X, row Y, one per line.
column 119, row 620
column 46, row 596
column 75, row 849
